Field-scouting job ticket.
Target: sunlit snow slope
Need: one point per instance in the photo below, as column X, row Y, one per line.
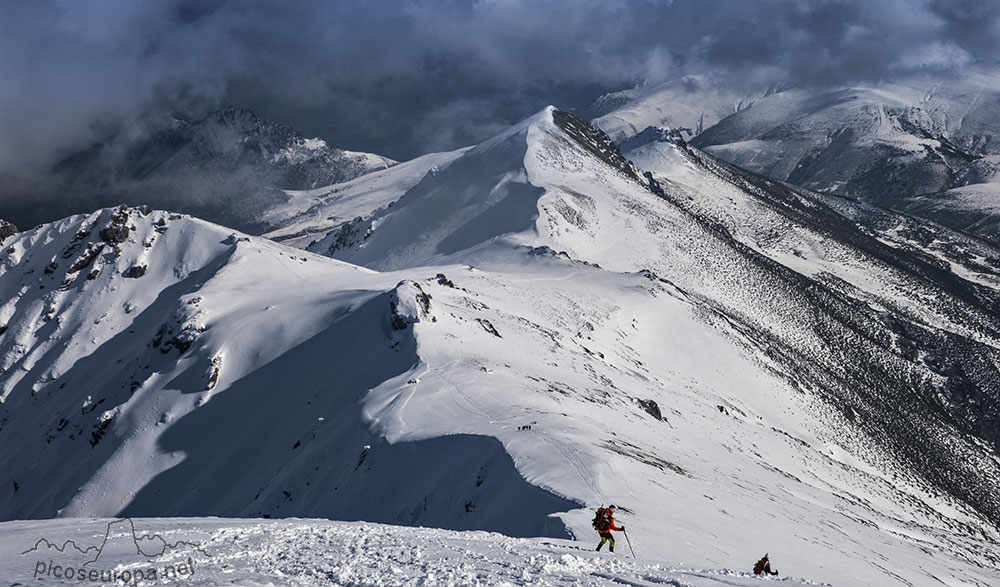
column 204, row 551
column 741, row 367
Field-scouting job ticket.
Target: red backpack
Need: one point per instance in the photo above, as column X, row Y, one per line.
column 602, row 519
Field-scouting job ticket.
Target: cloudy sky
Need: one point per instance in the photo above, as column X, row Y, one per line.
column 406, row 77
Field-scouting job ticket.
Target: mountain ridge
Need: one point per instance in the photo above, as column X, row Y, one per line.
column 910, row 145
column 611, row 336
column 228, row 165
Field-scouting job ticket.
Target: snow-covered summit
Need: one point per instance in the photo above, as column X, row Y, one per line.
column 492, row 193
column 740, row 366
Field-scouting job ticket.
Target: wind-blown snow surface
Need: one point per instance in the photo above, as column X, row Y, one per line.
column 741, row 367
column 310, row 552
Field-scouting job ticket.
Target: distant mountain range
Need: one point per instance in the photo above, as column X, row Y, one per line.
column 229, row 166
column 923, row 146
column 505, row 337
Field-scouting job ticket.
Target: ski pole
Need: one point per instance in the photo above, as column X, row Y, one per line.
column 629, row 542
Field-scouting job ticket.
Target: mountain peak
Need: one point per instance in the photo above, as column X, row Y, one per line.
column 594, row 140
column 489, row 193
column 550, row 328
column 7, row 229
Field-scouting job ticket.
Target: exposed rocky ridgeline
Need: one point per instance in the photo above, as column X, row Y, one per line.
column 594, row 140
column 924, row 362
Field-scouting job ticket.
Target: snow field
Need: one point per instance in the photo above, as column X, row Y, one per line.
column 318, row 553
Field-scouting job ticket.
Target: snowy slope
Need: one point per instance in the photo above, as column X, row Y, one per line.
column 689, row 102
column 879, row 142
column 885, row 285
column 144, row 355
column 309, row 552
column 889, row 143
column 552, row 331
column 310, row 215
column 974, row 208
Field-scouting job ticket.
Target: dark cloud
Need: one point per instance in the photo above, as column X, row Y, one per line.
column 971, row 24
column 402, row 78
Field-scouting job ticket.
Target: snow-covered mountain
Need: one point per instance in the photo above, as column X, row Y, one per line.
column 310, row 216
column 686, row 103
column 903, row 145
column 531, row 328
column 974, row 208
column 879, row 142
column 229, row 166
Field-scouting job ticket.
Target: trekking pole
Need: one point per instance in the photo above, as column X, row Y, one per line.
column 629, row 542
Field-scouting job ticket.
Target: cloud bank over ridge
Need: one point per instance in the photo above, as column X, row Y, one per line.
column 404, row 78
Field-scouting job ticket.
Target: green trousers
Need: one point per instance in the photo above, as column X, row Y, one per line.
column 607, row 537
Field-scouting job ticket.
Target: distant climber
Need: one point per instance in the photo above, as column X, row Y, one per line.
column 604, row 523
column 763, row 567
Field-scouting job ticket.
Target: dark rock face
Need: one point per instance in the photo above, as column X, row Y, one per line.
column 176, row 336
column 651, row 408
column 7, row 229
column 87, row 258
column 117, row 231
column 596, row 141
column 135, row 271
column 350, row 234
column 402, row 314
